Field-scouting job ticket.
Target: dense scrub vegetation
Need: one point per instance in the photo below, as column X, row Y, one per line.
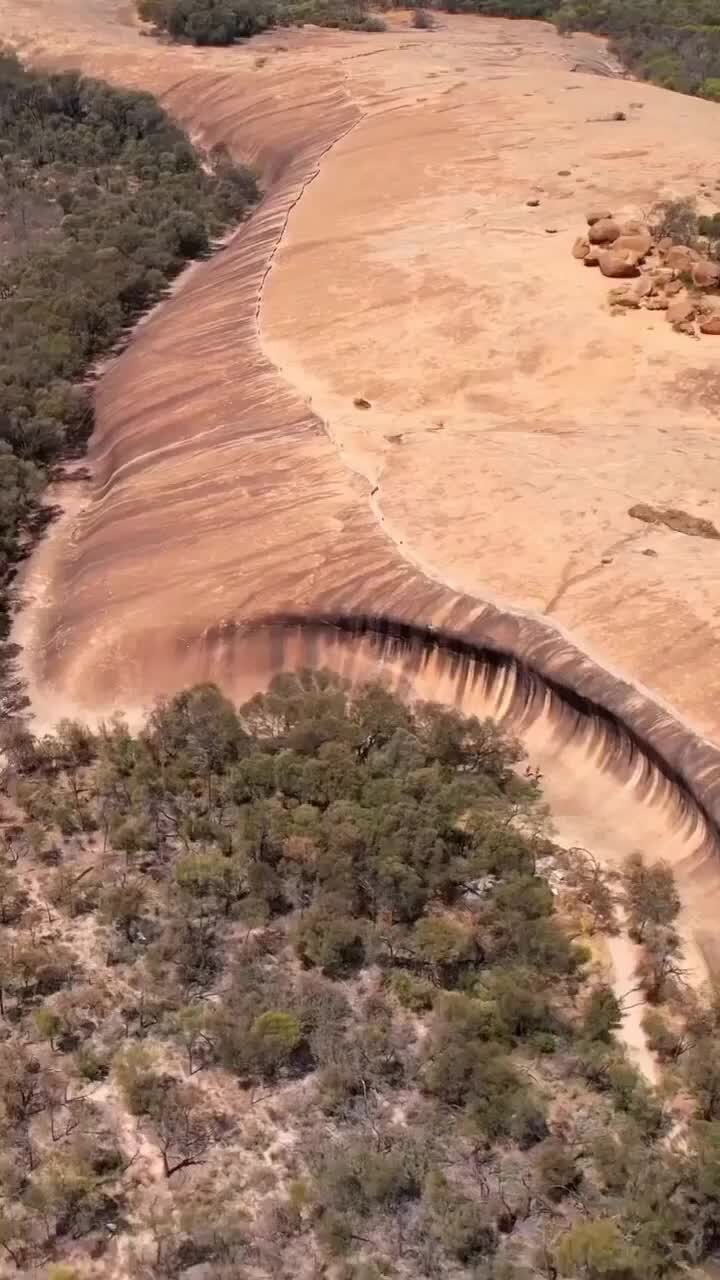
column 102, row 201
column 220, row 22
column 680, row 222
column 286, row 992
column 674, row 43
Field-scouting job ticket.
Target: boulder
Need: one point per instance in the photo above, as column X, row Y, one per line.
column 662, row 275
column 597, row 215
column 604, row 231
column 581, row 247
column 711, row 324
column 673, row 287
column 644, row 287
column 624, row 297
column 680, row 311
column 592, row 258
column 706, row 274
column 681, row 257
column 640, row 244
column 665, row 244
column 657, row 303
column 617, row 265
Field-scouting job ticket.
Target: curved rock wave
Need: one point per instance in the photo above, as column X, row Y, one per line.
column 540, row 676
column 225, row 537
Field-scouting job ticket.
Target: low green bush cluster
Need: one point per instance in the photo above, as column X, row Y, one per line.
column 307, row 950
column 220, row 22
column 104, row 201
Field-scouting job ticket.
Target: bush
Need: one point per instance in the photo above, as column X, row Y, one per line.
column 596, row 1250
column 603, row 1014
column 676, row 220
column 463, row 1227
column 91, row 1064
column 333, row 944
column 274, row 1036
column 675, row 43
column 205, row 22
column 558, row 1170
column 710, row 88
column 413, row 993
column 141, row 1085
column 139, row 204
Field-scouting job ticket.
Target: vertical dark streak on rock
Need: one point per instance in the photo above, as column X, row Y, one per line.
column 626, row 733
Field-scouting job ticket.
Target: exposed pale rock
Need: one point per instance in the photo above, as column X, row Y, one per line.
column 706, row 274
column 640, row 244
column 581, row 247
column 644, row 287
column 681, row 257
column 680, row 311
column 626, row 297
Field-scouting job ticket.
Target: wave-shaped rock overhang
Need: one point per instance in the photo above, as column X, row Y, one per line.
column 628, row 733
column 179, row 534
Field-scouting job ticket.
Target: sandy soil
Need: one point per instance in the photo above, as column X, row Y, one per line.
column 512, row 420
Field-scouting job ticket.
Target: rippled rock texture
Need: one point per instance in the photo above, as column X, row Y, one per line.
column 389, row 422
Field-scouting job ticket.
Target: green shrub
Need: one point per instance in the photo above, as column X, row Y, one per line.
column 675, row 43
column 710, row 88
column 139, row 204
column 141, row 1085
column 413, row 993
column 333, row 944
column 602, row 1015
column 91, row 1064
column 207, row 22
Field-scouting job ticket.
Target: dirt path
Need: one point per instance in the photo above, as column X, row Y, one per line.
column 624, row 955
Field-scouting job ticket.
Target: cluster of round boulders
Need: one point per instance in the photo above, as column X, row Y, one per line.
column 669, row 277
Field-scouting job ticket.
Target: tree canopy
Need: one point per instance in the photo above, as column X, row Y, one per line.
column 102, row 201
column 285, row 989
column 221, row 22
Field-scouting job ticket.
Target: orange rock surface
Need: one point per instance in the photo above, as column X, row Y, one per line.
column 399, row 257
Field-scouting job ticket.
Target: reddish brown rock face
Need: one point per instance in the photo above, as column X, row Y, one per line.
column 711, row 325
column 604, row 231
column 396, row 263
column 618, row 264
